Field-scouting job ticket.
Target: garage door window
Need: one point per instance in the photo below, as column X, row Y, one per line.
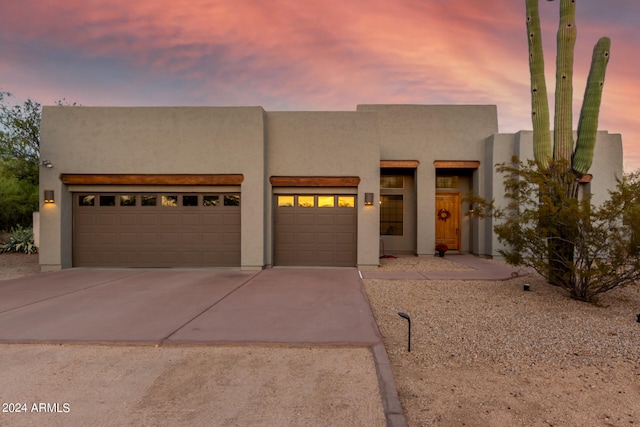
column 170, row 201
column 86, row 200
column 232, row 200
column 189, row 200
column 326, row 201
column 107, row 200
column 320, row 201
column 148, row 199
column 127, row 200
column 285, row 201
column 306, row 201
column 210, row 201
column 346, row 201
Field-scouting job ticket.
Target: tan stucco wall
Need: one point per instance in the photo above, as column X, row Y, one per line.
column 428, row 133
column 162, row 140
column 257, row 144
column 330, row 144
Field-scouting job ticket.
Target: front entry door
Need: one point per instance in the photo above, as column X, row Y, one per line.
column 448, row 219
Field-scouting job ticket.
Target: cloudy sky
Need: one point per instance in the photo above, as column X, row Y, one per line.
column 311, row 54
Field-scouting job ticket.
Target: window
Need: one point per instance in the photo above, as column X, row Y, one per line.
column 232, row 200
column 170, row 201
column 391, row 181
column 447, row 182
column 127, row 200
column 107, row 200
column 189, row 200
column 210, row 200
column 285, row 201
column 148, row 200
column 346, row 201
column 306, row 201
column 87, row 200
column 326, row 201
column 391, row 215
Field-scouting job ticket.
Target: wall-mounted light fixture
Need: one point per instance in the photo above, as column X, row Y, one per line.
column 48, row 196
column 368, row 199
column 46, row 163
column 470, row 209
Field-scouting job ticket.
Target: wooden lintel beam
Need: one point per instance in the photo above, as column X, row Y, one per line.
column 151, row 179
column 314, row 181
column 400, row 164
column 456, row 164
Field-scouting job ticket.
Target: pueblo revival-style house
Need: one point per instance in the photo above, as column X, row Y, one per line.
column 248, row 188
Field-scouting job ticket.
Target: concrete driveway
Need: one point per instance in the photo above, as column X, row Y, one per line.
column 320, row 358
column 170, row 306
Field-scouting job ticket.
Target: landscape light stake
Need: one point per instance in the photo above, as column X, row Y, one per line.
column 406, row 316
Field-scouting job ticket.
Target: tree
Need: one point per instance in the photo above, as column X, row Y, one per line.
column 605, row 238
column 19, row 158
column 20, row 138
column 18, row 200
column 567, row 162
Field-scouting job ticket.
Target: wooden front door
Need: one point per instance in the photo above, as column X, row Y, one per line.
column 448, row 219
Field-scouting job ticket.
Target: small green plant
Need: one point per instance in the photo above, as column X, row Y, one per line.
column 21, row 240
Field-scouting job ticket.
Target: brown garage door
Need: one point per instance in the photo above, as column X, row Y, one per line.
column 315, row 230
column 156, row 230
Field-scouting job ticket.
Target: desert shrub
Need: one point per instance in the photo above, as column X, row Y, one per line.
column 20, row 240
column 585, row 249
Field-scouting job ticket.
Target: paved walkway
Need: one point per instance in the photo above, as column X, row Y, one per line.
column 481, row 269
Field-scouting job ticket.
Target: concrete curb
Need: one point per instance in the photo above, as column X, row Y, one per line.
column 390, row 400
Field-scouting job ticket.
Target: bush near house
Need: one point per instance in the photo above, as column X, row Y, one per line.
column 604, row 240
column 20, row 240
column 18, row 200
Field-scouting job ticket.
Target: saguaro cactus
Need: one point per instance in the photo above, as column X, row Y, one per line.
column 539, row 103
column 563, row 147
column 588, row 122
column 563, row 118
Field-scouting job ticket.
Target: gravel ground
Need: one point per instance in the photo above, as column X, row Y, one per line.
column 488, row 353
column 14, row 265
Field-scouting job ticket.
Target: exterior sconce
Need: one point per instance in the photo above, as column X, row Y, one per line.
column 368, row 199
column 48, row 196
column 46, row 163
column 470, row 209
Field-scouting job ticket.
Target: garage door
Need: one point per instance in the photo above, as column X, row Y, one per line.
column 156, row 229
column 315, row 230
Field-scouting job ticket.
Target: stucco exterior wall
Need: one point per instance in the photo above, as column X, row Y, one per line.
column 500, row 148
column 330, row 144
column 428, row 133
column 153, row 140
column 259, row 145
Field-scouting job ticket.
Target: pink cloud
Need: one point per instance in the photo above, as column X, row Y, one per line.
column 286, row 54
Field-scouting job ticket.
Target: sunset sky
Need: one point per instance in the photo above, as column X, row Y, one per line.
column 312, row 55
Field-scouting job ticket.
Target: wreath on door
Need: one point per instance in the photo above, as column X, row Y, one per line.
column 443, row 215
